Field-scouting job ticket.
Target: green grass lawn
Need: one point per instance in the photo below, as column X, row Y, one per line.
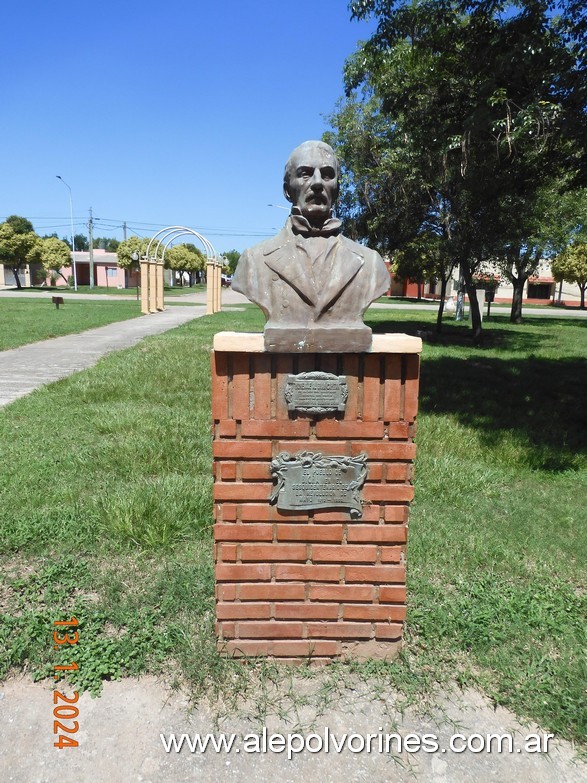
column 105, row 510
column 111, row 290
column 24, row 321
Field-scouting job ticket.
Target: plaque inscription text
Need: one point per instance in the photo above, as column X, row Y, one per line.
column 316, row 392
column 310, row 480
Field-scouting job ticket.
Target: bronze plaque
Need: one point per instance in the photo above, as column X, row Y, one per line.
column 310, row 480
column 316, row 392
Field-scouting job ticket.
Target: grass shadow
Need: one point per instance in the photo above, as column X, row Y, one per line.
column 540, row 399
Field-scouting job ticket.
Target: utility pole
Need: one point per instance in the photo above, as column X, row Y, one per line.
column 91, row 237
column 124, row 230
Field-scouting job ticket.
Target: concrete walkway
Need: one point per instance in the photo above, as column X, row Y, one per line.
column 22, row 370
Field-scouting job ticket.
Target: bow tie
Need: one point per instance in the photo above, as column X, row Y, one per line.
column 300, row 225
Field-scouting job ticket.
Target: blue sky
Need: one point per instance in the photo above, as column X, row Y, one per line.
column 172, row 113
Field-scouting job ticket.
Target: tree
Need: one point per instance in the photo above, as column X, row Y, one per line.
column 109, row 244
column 545, row 227
column 185, row 258
column 128, row 248
column 571, row 265
column 232, row 257
column 18, row 247
column 20, row 225
column 54, row 255
column 475, row 105
column 81, row 242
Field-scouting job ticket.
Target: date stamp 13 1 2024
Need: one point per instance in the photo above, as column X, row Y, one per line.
column 65, row 709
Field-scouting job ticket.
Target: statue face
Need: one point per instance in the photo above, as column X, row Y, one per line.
column 313, row 183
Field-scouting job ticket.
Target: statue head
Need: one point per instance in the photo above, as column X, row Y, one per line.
column 310, row 181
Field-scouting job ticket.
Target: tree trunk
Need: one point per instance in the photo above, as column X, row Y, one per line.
column 516, row 311
column 476, row 323
column 419, row 291
column 443, row 287
column 582, row 288
column 16, row 277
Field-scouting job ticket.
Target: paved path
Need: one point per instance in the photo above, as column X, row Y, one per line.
column 22, row 370
column 119, row 740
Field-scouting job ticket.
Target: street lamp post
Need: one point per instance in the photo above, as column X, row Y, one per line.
column 72, row 234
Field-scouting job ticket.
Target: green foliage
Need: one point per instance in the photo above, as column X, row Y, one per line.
column 571, row 265
column 109, row 244
column 55, row 254
column 468, row 111
column 185, row 258
column 18, row 247
column 20, row 225
column 232, row 256
column 129, row 247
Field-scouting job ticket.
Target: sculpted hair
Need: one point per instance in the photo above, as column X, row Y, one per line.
column 322, row 145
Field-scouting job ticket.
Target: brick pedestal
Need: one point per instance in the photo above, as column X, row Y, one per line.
column 313, row 584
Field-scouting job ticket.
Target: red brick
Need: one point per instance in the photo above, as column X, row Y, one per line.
column 226, row 592
column 324, row 553
column 396, row 513
column 274, row 552
column 328, row 363
column 240, row 648
column 226, row 629
column 270, row 630
column 377, row 534
column 293, row 611
column 239, row 387
column 243, row 532
column 391, row 554
column 341, row 592
column 256, row 471
column 241, row 491
column 283, row 367
column 412, row 373
column 392, row 394
column 226, row 553
column 246, row 611
column 226, row 471
column 351, row 370
column 388, row 449
column 250, row 572
column 398, row 430
column 272, row 592
column 264, row 513
column 330, row 447
column 227, row 511
column 241, row 449
column 226, row 428
column 388, row 631
column 377, row 471
column 340, row 630
column 371, row 612
column 370, row 514
column 261, row 386
column 398, row 471
column 305, row 648
column 394, row 595
column 307, row 573
column 292, row 428
column 309, row 532
column 331, row 428
column 387, row 492
column 386, row 574
column 371, row 388
column 219, row 385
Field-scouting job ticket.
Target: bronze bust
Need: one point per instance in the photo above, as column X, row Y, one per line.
column 312, row 283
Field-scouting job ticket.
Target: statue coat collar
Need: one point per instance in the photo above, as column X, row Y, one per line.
column 289, row 256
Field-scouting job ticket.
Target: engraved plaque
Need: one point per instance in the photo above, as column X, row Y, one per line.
column 309, row 480
column 316, row 392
